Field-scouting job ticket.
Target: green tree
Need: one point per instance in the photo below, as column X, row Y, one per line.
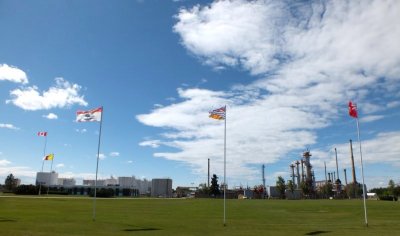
column 281, row 186
column 214, row 188
column 10, row 182
column 290, row 186
column 203, row 189
column 327, row 190
column 305, row 188
column 391, row 187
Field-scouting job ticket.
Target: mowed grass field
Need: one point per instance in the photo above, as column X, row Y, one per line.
column 73, row 216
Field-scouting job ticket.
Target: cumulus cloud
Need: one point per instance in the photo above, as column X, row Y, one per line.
column 8, row 126
column 63, row 94
column 81, row 130
column 114, row 154
column 61, row 165
column 150, row 143
column 310, row 59
column 13, row 74
column 102, row 156
column 51, row 116
column 4, row 162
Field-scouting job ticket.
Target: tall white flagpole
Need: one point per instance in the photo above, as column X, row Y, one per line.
column 51, row 170
column 44, row 155
column 225, row 169
column 362, row 173
column 97, row 166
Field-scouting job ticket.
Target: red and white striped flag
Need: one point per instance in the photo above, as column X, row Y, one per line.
column 42, row 133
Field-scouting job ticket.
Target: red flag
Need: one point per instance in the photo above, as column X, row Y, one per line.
column 42, row 133
column 353, row 110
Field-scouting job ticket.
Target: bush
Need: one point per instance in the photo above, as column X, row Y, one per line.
column 387, row 198
column 28, row 190
column 103, row 192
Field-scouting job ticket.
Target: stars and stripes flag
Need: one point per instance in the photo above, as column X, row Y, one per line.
column 42, row 134
column 218, row 114
column 49, row 157
column 353, row 110
column 91, row 115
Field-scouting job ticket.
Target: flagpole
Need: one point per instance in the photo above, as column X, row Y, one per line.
column 225, row 169
column 362, row 173
column 51, row 169
column 97, row 166
column 44, row 154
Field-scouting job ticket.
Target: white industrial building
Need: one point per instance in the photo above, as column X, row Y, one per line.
column 47, row 178
column 143, row 186
column 161, row 188
column 66, row 182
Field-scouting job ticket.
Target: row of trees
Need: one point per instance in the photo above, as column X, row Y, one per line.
column 391, row 192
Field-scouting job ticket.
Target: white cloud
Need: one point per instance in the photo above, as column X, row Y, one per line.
column 8, row 126
column 81, row 130
column 371, row 118
column 310, row 58
column 102, row 156
column 61, row 165
column 63, row 94
column 130, row 162
column 20, row 172
column 13, row 74
column 51, row 116
column 150, row 143
column 4, row 162
column 114, row 154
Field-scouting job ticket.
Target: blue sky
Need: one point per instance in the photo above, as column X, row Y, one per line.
column 285, row 71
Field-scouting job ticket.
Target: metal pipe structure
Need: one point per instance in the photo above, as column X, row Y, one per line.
column 345, row 176
column 208, row 176
column 337, row 168
column 292, row 168
column 352, row 163
column 263, row 179
column 298, row 174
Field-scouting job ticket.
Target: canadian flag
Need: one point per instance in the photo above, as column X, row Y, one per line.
column 353, row 110
column 42, row 133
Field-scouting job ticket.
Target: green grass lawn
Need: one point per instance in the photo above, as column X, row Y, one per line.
column 73, row 216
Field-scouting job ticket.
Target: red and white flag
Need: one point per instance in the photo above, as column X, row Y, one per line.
column 42, row 133
column 92, row 115
column 353, row 110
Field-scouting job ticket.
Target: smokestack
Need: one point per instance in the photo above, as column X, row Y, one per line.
column 353, row 170
column 345, row 176
column 263, row 179
column 292, row 167
column 326, row 180
column 337, row 168
column 306, row 156
column 329, row 180
column 298, row 174
column 302, row 170
column 208, row 176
